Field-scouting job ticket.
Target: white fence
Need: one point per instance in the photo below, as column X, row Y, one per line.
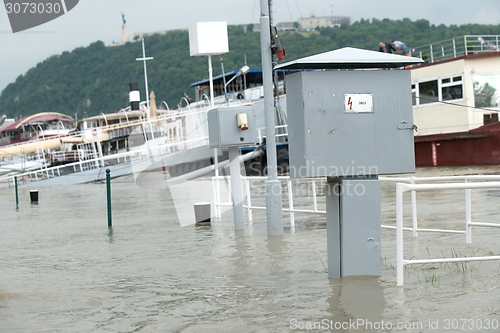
column 248, row 180
column 449, row 182
column 467, row 185
column 447, row 179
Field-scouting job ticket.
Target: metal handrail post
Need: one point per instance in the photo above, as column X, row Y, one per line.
column 290, row 204
column 17, row 194
column 399, row 235
column 249, row 200
column 414, row 209
column 215, row 198
column 468, row 214
column 217, row 184
column 315, row 202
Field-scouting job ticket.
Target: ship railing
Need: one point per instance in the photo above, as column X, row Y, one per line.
column 18, row 158
column 162, row 144
column 457, row 47
column 124, row 129
column 403, row 184
column 72, row 155
column 89, row 161
column 219, row 102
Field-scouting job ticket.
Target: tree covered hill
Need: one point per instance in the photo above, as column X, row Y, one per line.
column 95, row 79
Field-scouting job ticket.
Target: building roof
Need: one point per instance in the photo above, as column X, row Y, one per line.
column 351, row 58
column 36, row 118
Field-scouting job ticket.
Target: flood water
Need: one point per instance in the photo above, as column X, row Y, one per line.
column 63, row 270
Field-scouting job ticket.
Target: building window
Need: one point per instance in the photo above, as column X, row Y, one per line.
column 428, row 92
column 451, row 88
column 437, row 90
column 486, row 90
column 490, row 118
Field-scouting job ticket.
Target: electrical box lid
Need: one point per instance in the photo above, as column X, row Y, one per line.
column 351, row 58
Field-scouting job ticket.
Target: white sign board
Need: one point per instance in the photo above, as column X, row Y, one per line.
column 358, row 103
column 208, row 38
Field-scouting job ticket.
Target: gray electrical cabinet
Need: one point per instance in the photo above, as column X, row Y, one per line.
column 231, row 128
column 351, row 126
column 224, row 130
column 350, row 123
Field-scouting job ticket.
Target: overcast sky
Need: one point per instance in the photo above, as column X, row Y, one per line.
column 93, row 20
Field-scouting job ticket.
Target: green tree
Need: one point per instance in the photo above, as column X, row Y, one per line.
column 94, row 79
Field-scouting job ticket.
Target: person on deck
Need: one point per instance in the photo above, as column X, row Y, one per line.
column 401, row 47
column 386, row 48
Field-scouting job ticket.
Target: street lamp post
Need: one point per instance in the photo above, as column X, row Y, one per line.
column 243, row 71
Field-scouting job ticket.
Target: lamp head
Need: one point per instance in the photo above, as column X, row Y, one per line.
column 243, row 70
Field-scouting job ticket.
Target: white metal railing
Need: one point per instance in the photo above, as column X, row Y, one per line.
column 277, row 135
column 457, row 47
column 449, row 182
column 291, row 209
column 401, row 188
column 411, row 180
column 468, row 202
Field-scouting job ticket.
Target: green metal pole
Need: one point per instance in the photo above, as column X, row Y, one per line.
column 108, row 187
column 17, row 196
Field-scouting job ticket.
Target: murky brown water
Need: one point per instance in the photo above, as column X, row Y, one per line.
column 62, row 270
